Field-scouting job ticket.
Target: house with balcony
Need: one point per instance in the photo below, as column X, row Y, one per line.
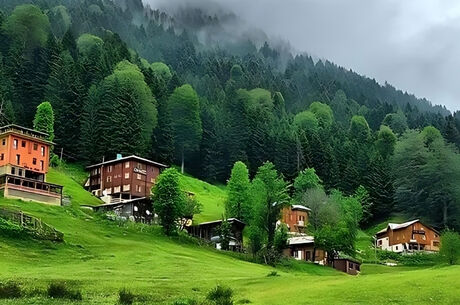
column 296, row 218
column 24, row 162
column 411, row 236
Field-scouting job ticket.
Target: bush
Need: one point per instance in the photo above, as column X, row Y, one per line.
column 61, row 291
column 388, row 255
column 12, row 230
column 10, row 290
column 221, row 295
column 450, row 247
column 273, row 273
column 419, row 259
column 185, row 302
column 125, row 297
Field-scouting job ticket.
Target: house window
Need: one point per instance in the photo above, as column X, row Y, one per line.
column 152, row 180
column 379, row 242
column 42, row 165
column 15, row 144
column 42, row 149
column 35, row 146
column 139, row 177
column 350, row 265
column 109, row 178
column 34, row 161
column 138, row 188
column 13, row 171
column 126, row 187
column 3, row 141
column 116, row 189
column 2, row 156
column 20, row 172
column 108, row 191
column 18, row 159
column 126, row 175
column 109, row 169
column 307, row 255
column 23, row 143
column 396, row 248
column 126, row 164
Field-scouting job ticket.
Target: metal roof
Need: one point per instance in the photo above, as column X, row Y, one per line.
column 300, row 207
column 113, row 203
column 300, row 240
column 127, row 158
column 217, row 221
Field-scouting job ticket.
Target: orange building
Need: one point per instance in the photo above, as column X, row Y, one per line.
column 296, row 218
column 24, row 161
column 408, row 237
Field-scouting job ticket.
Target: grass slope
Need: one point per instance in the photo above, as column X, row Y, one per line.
column 100, row 257
column 212, row 198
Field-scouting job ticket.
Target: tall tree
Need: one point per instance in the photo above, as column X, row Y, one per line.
column 237, row 204
column 168, row 200
column 184, row 107
column 44, row 119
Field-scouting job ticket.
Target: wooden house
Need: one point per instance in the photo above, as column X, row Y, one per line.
column 296, row 218
column 24, row 162
column 123, row 178
column 302, row 247
column 410, row 236
column 210, row 231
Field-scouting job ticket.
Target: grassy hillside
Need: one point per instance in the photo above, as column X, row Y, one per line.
column 211, row 196
column 100, row 257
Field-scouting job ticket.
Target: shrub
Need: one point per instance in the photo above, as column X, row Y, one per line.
column 125, row 297
column 10, row 290
column 273, row 273
column 388, row 255
column 12, row 230
column 244, row 301
column 221, row 295
column 60, row 290
column 450, row 247
column 419, row 259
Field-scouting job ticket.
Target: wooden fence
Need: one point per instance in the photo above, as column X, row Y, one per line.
column 34, row 225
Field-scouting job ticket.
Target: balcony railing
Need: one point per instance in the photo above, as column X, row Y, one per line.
column 30, row 185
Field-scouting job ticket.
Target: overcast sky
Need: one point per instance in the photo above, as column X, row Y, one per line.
column 412, row 44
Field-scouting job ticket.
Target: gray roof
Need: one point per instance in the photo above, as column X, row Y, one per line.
column 300, row 207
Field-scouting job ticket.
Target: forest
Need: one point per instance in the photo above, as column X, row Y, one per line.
column 122, row 78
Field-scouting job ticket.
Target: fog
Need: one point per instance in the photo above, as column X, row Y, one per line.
column 412, row 44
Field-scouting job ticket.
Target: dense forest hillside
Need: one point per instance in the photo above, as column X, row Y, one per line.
column 185, row 89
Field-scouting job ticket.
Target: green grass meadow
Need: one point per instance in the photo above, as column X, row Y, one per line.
column 100, row 257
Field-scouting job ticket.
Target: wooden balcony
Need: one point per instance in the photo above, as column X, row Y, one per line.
column 30, row 189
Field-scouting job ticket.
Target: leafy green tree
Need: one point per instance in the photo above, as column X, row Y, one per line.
column 168, row 200
column 237, row 204
column 450, row 247
column 161, row 70
column 28, row 27
column 306, row 121
column 270, row 197
column 306, row 180
column 386, row 141
column 186, row 123
column 44, row 119
column 396, row 121
column 323, row 113
column 359, row 129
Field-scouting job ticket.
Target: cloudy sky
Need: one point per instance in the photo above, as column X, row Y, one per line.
column 412, row 44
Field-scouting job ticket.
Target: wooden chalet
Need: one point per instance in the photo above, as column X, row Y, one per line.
column 296, row 218
column 302, row 247
column 24, row 162
column 210, row 231
column 124, row 178
column 406, row 237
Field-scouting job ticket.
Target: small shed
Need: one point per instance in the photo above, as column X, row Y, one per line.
column 210, row 231
column 347, row 264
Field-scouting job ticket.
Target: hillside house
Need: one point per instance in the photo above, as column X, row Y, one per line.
column 138, row 209
column 296, row 218
column 410, row 236
column 124, row 178
column 302, row 247
column 24, row 162
column 210, row 231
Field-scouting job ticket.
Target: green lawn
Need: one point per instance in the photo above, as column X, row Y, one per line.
column 212, row 198
column 99, row 257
